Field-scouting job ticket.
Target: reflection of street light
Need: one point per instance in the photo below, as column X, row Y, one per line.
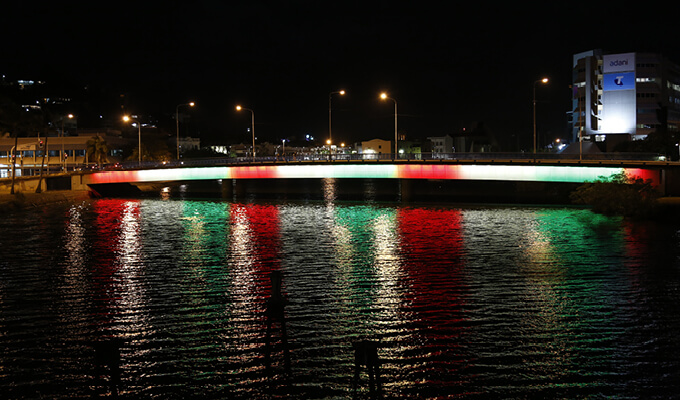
column 544, row 80
column 139, row 129
column 191, row 104
column 330, row 96
column 252, row 125
column 385, row 97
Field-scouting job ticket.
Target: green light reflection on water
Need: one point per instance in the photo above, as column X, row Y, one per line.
column 572, row 294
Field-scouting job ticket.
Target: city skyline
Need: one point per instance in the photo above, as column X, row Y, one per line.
column 447, row 70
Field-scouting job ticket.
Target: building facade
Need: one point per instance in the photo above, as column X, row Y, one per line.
column 377, row 146
column 622, row 97
column 53, row 154
column 441, row 145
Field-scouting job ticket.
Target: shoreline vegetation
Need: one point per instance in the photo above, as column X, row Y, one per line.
column 626, row 196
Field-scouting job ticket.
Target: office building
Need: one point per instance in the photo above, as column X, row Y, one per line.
column 622, row 97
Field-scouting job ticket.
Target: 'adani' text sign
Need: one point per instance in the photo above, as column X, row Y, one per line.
column 618, row 63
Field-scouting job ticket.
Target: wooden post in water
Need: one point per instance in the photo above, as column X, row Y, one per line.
column 366, row 353
column 107, row 362
column 275, row 313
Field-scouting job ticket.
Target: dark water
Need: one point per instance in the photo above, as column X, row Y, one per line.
column 464, row 302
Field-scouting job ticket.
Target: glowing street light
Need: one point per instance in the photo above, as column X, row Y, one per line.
column 252, row 125
column 384, row 96
column 330, row 96
column 139, row 129
column 190, row 104
column 544, row 81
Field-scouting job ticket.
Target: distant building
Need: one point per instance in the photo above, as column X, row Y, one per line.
column 186, row 143
column 475, row 139
column 376, row 146
column 441, row 145
column 621, row 97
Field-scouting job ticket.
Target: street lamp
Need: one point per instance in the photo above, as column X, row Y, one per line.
column 544, row 80
column 330, row 96
column 191, row 104
column 139, row 129
column 252, row 125
column 385, row 97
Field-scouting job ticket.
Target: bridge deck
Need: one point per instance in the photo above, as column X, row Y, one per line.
column 572, row 171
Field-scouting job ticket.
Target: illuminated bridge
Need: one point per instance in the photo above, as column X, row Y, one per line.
column 499, row 180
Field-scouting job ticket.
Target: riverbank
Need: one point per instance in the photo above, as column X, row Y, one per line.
column 23, row 200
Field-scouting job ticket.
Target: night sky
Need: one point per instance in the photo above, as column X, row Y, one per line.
column 448, row 66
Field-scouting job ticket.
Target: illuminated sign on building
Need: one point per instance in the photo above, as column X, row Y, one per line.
column 619, row 81
column 618, row 96
column 618, row 63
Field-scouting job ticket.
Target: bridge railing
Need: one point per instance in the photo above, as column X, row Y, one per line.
column 443, row 157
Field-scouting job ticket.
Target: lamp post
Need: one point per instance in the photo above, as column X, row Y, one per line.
column 330, row 96
column 385, row 97
column 139, row 129
column 252, row 125
column 190, row 104
column 544, row 80
column 63, row 160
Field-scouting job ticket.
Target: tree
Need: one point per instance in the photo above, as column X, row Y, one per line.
column 19, row 122
column 153, row 149
column 97, row 150
column 618, row 194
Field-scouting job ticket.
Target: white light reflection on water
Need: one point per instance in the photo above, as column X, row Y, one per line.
column 388, row 267
column 132, row 318
column 241, row 249
column 75, row 285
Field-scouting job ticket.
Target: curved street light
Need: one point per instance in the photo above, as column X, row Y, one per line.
column 384, row 96
column 544, row 81
column 139, row 129
column 330, row 96
column 190, row 104
column 252, row 125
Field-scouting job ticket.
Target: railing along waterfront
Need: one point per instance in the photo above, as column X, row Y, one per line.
column 420, row 157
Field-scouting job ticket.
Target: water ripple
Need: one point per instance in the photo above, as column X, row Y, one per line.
column 464, row 302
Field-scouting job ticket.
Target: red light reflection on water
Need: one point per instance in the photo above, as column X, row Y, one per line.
column 260, row 226
column 110, row 215
column 434, row 293
column 432, row 234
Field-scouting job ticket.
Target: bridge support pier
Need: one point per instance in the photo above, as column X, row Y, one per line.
column 405, row 190
column 239, row 187
column 227, row 189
